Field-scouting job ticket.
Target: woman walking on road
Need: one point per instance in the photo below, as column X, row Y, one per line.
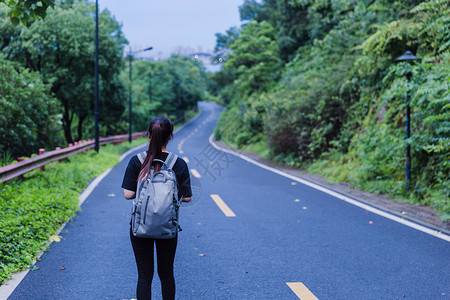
column 160, row 132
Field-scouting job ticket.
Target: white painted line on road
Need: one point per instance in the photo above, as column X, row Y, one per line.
column 132, row 150
column 374, row 210
column 8, row 287
column 91, row 187
column 301, row 291
column 186, row 159
column 195, row 173
column 221, row 204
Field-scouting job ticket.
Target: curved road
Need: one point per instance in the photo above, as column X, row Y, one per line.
column 252, row 234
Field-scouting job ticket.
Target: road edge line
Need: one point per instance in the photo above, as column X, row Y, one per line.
column 7, row 288
column 377, row 211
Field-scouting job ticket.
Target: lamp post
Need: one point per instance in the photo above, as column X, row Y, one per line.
column 130, row 118
column 407, row 57
column 96, row 146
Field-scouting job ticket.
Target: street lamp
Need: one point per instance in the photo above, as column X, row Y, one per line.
column 96, row 146
column 407, row 57
column 130, row 56
column 150, row 76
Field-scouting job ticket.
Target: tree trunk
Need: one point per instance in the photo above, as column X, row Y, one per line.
column 67, row 122
column 81, row 119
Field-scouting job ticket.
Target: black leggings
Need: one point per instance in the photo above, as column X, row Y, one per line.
column 165, row 253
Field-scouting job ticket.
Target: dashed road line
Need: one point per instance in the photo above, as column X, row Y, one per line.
column 221, row 204
column 186, row 159
column 195, row 173
column 301, row 291
column 180, row 144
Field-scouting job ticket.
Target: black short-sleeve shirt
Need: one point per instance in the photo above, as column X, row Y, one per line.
column 180, row 168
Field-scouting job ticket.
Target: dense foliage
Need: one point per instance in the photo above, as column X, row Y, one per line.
column 50, row 87
column 61, row 48
column 332, row 95
column 29, row 114
column 169, row 87
column 27, row 10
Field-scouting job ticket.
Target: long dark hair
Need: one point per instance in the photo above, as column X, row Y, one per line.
column 159, row 130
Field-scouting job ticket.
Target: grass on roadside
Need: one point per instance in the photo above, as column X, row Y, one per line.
column 336, row 167
column 32, row 209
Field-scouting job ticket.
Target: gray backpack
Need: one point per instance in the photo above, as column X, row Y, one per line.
column 155, row 211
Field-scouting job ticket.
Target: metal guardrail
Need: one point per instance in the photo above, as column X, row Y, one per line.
column 18, row 169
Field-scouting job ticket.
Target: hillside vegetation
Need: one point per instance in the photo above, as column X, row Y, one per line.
column 313, row 84
column 47, row 78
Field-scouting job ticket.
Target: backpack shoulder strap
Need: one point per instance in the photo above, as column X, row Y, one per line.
column 141, row 156
column 171, row 160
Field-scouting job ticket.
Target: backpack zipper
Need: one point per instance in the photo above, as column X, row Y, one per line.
column 146, row 203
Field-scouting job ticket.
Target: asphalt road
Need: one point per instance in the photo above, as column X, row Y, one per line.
column 277, row 232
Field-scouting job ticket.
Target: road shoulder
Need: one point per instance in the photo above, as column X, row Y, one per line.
column 420, row 214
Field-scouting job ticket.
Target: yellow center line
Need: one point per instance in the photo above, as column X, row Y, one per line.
column 301, row 291
column 180, row 144
column 195, row 173
column 221, row 204
column 186, row 159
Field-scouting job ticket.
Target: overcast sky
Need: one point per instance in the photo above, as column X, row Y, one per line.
column 166, row 24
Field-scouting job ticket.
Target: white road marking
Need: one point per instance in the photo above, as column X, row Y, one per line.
column 374, row 210
column 8, row 287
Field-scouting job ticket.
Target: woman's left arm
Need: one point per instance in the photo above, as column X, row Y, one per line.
column 129, row 183
column 129, row 194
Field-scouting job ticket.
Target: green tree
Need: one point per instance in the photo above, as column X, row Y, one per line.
column 223, row 41
column 61, row 48
column 176, row 83
column 29, row 114
column 254, row 57
column 340, row 99
column 27, row 10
